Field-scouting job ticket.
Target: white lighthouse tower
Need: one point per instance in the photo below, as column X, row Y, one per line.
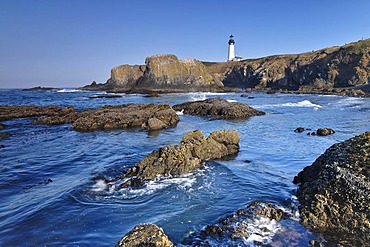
column 231, row 51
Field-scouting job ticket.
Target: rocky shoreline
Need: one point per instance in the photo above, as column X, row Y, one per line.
column 342, row 70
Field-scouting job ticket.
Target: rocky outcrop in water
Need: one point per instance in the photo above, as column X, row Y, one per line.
column 145, row 235
column 318, row 132
column 241, row 228
column 10, row 112
column 146, row 116
column 184, row 157
column 218, row 108
column 161, row 73
column 334, row 192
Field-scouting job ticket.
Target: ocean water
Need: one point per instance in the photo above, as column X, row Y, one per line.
column 52, row 185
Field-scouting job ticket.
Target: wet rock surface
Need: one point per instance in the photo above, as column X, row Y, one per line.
column 10, row 112
column 318, row 132
column 146, row 116
column 4, row 135
column 253, row 225
column 334, row 192
column 145, row 235
column 218, row 107
column 185, row 157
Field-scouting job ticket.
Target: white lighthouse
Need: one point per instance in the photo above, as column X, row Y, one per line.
column 231, row 53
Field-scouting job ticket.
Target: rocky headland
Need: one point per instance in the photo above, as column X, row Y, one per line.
column 184, row 157
column 334, row 193
column 218, row 107
column 342, row 70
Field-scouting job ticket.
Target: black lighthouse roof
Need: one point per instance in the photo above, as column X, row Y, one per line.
column 231, row 40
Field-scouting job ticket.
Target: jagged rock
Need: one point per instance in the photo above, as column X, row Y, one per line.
column 147, row 116
column 10, row 112
column 239, row 226
column 126, row 76
column 145, row 235
column 218, row 107
column 184, row 157
column 334, row 192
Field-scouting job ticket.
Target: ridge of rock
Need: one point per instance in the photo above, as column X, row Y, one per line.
column 184, row 157
column 334, row 192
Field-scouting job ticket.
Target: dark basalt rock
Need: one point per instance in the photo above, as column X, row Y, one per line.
column 322, row 132
column 184, row 157
column 105, row 96
column 299, row 130
column 145, row 235
column 334, row 192
column 218, row 107
column 39, row 88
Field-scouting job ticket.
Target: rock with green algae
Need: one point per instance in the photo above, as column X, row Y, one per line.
column 184, row 157
column 334, row 192
column 145, row 235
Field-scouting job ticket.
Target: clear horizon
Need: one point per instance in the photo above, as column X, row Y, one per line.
column 72, row 43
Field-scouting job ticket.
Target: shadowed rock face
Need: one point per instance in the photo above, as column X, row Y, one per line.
column 218, row 108
column 184, row 157
column 145, row 235
column 334, row 192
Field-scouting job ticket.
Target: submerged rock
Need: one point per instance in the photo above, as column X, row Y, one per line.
column 3, row 126
column 4, row 135
column 185, row 157
column 218, row 107
column 145, row 235
column 334, row 192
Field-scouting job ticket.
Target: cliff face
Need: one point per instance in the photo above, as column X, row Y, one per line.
column 167, row 71
column 329, row 68
column 326, row 70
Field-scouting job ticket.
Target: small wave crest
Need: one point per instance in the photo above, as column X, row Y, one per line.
column 304, row 103
column 68, row 90
column 180, row 113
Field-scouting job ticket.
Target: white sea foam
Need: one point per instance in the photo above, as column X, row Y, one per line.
column 231, row 100
column 261, row 230
column 180, row 113
column 304, row 103
column 68, row 90
column 100, row 185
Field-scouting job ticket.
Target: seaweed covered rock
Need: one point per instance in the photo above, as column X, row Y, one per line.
column 334, row 192
column 147, row 116
column 184, row 157
column 145, row 235
column 10, row 112
column 218, row 107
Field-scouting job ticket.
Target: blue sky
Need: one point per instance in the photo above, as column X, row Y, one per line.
column 70, row 43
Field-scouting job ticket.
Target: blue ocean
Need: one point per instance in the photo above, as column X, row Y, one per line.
column 52, row 178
